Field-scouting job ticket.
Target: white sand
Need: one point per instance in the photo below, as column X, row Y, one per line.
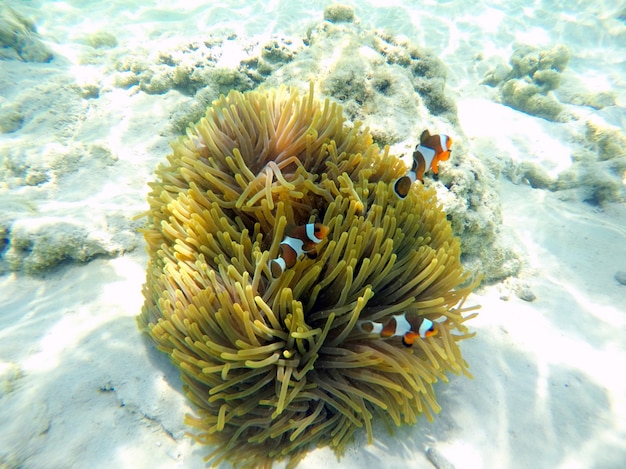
column 80, row 387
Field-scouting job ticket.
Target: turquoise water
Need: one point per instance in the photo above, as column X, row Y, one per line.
column 91, row 93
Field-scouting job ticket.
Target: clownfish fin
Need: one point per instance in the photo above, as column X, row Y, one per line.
column 314, row 233
column 444, row 145
column 408, row 339
column 317, row 232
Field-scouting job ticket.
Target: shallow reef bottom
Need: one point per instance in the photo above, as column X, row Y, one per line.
column 277, row 366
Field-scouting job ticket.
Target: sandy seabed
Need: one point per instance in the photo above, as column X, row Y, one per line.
column 80, row 387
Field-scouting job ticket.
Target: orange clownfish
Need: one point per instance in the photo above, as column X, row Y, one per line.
column 298, row 240
column 409, row 326
column 431, row 150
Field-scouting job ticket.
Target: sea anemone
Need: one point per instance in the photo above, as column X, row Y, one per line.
column 276, row 366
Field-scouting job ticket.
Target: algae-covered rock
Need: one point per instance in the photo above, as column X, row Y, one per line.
column 532, row 84
column 595, row 100
column 427, row 73
column 598, row 172
column 338, row 13
column 220, row 62
column 474, row 211
column 527, row 97
column 275, row 51
column 10, row 374
column 125, row 79
column 600, row 187
column 602, row 175
column 527, row 60
column 221, row 81
column 100, row 40
column 11, row 119
column 532, row 76
column 547, row 80
column 40, row 243
column 496, row 75
column 385, row 81
column 537, row 176
column 609, row 142
column 36, row 235
column 19, row 39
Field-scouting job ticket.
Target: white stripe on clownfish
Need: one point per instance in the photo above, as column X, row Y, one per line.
column 298, row 240
column 399, row 325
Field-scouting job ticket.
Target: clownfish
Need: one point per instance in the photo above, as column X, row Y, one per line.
column 298, row 240
column 431, row 150
column 406, row 325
